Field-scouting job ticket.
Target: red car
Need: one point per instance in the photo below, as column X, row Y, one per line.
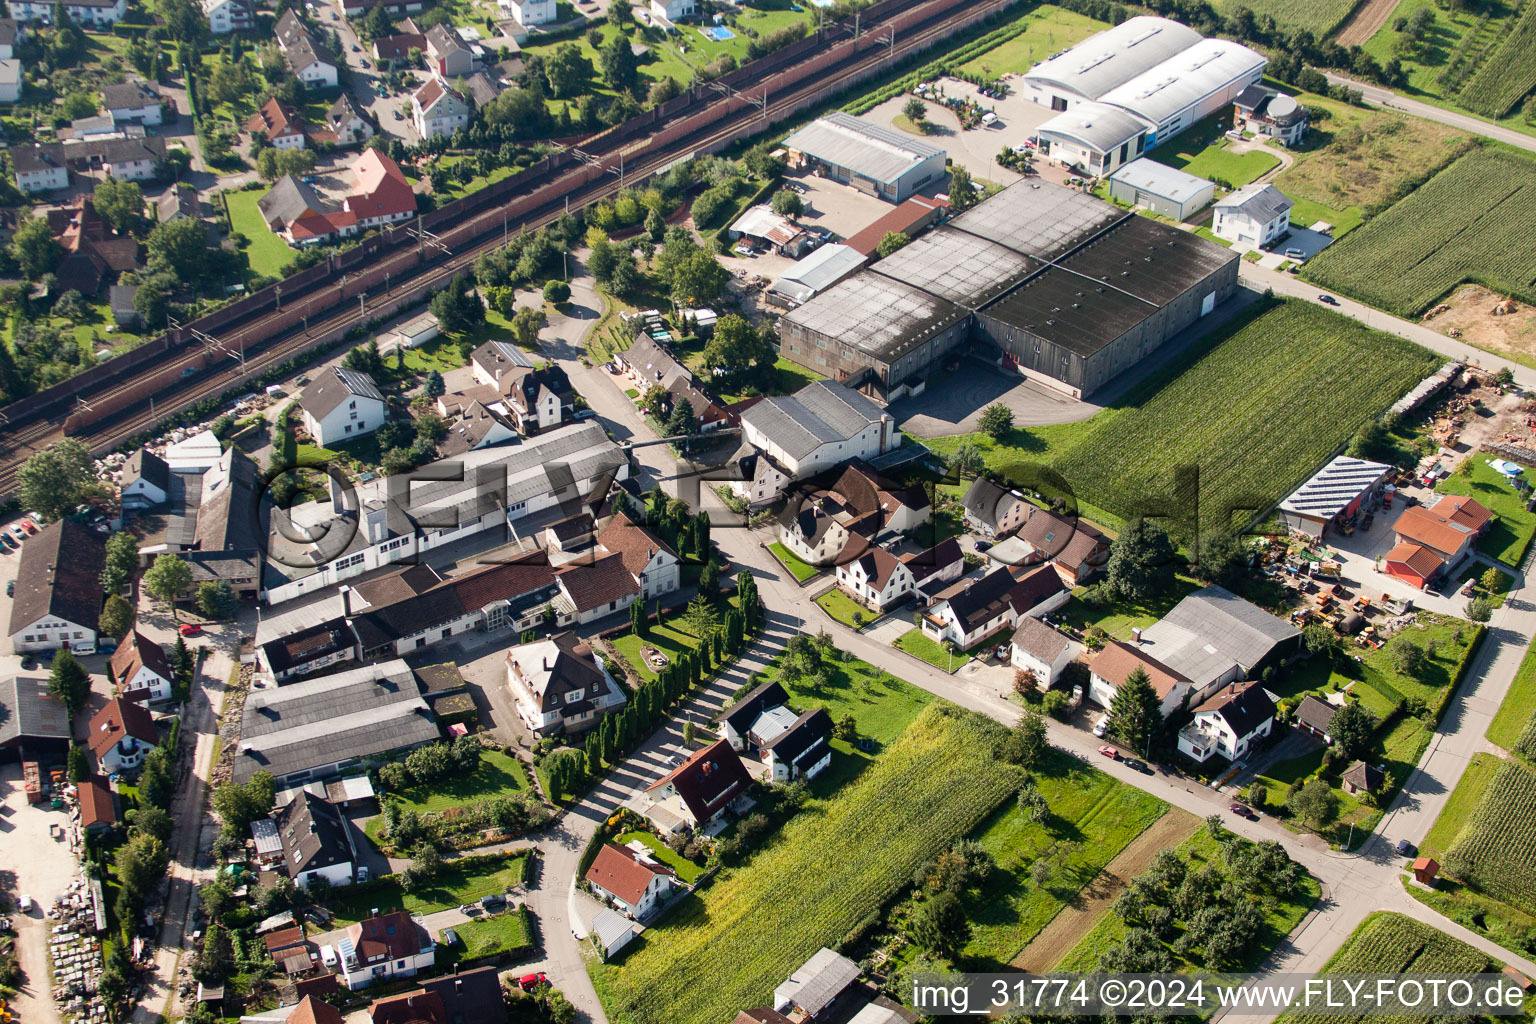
column 1110, row 752
column 190, row 629
column 529, row 982
column 29, row 526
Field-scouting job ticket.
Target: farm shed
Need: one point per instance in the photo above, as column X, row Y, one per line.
column 873, row 158
column 1161, row 189
column 814, row 274
column 1213, row 637
column 1335, row 493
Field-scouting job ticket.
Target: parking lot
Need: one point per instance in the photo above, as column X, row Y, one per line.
column 953, row 404
column 39, row 866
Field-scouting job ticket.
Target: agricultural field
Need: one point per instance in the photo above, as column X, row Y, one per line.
column 834, row 864
column 1320, row 17
column 1049, row 30
column 1389, row 943
column 1465, row 799
column 1470, row 222
column 1519, row 708
column 1507, row 74
column 1494, row 852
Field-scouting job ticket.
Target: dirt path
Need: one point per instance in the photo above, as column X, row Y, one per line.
column 1366, row 22
column 1066, row 928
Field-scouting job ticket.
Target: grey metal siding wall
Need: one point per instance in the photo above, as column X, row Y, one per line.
column 925, row 173
column 1032, row 351
column 822, row 353
column 921, row 360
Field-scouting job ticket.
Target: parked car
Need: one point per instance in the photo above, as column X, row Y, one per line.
column 29, row 526
column 17, row 532
column 10, row 588
column 1138, row 766
column 1004, row 651
column 1328, row 299
column 1242, row 810
column 1101, row 726
column 1405, row 848
column 450, row 937
column 1295, row 254
column 1110, row 752
column 9, row 542
column 529, row 982
column 362, row 873
column 983, row 545
column 190, row 629
column 25, row 904
column 28, row 663
column 493, row 900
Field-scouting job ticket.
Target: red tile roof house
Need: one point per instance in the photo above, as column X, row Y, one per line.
column 120, row 735
column 1412, row 563
column 698, row 791
column 619, row 876
column 98, row 805
column 1447, row 528
column 390, row 946
column 1110, row 667
column 141, row 670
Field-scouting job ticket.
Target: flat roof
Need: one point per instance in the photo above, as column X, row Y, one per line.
column 1038, row 219
column 1160, row 180
column 1069, row 311
column 877, row 315
column 874, row 151
column 1152, row 261
column 964, row 268
column 1113, row 57
column 1186, row 78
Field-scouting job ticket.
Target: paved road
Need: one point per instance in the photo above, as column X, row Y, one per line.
column 1384, row 97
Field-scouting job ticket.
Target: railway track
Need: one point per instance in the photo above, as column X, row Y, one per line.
column 330, row 308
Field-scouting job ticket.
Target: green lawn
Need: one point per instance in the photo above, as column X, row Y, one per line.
column 844, row 609
column 1306, row 213
column 801, row 571
column 1510, row 533
column 1051, row 29
column 916, row 643
column 494, row 936
column 1458, row 809
column 882, row 706
column 1100, row 815
column 1474, row 571
column 498, row 773
column 787, row 378
column 670, row 638
column 1119, row 618
column 1518, row 707
column 1204, row 151
column 687, row 871
column 451, row 887
column 267, row 253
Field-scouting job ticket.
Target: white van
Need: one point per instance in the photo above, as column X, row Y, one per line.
column 1101, row 726
column 989, row 119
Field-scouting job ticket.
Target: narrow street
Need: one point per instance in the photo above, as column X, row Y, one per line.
column 1383, row 97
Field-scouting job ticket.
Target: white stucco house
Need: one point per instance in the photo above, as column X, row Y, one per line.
column 1229, row 724
column 1041, row 649
column 531, row 12
column 1254, row 214
column 389, row 946
column 57, row 601
column 81, row 12
column 316, row 839
column 141, row 669
column 630, row 880
column 120, row 734
column 341, row 405
column 560, row 685
column 1113, row 665
column 674, row 10
column 818, row 427
column 877, row 579
column 438, row 110
column 132, row 103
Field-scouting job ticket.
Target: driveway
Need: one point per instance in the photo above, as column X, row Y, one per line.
column 953, row 404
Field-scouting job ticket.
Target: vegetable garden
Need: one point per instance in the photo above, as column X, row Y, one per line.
column 834, row 865
column 1496, row 852
column 1471, row 222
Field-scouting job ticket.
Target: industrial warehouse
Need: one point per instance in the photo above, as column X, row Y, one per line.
column 1074, row 291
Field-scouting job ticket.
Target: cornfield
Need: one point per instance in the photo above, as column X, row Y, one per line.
column 1471, row 222
column 1496, row 852
column 833, row 866
column 1257, row 413
column 1503, row 79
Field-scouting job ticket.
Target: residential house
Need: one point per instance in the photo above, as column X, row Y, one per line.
column 33, row 723
column 144, row 481
column 469, row 997
column 697, row 792
column 317, row 840
column 498, row 364
column 311, row 650
column 93, row 252
column 481, row 88
column 141, row 669
column 394, row 52
column 395, row 8
column 11, row 80
column 529, row 13
column 321, row 728
column 39, row 168
column 475, row 426
column 179, row 202
column 674, row 10
column 803, row 750
column 226, row 16
column 560, row 685
column 1074, row 548
column 1271, row 114
column 347, row 123
column 816, row 428
column 98, row 805
column 1110, row 668
column 653, row 564
column 539, row 399
column 1360, row 778
column 1448, row 528
column 1254, row 215
column 388, row 946
column 589, row 590
column 1213, row 637
column 992, row 510
column 437, row 109
column 381, row 197
column 120, row 734
column 81, row 12
column 1315, row 716
column 936, row 566
column 1414, row 564
column 278, row 123
column 58, row 589
column 834, row 519
column 310, row 60
column 878, row 579
column 969, row 611
column 409, row 1008
column 132, row 102
column 626, row 879
column 648, row 363
column 736, row 721
column 1041, row 649
column 12, row 34
column 815, row 985
column 240, row 569
column 707, row 413
column 1230, row 724
column 449, row 57
column 342, row 405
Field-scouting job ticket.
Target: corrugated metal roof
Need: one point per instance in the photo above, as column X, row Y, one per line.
column 1113, row 57
column 1098, row 126
column 824, row 267
column 1038, row 219
column 876, row 314
column 1160, row 180
column 1186, row 78
column 964, row 268
column 874, row 151
column 819, row 413
column 1237, row 630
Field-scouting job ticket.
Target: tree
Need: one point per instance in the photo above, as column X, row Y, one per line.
column 637, row 621
column 967, row 460
column 915, row 110
column 1320, row 638
column 1315, row 803
column 761, row 163
column 78, row 763
column 434, row 386
column 150, row 820
column 699, row 279
column 1480, row 609
column 556, row 292
column 892, row 241
column 55, row 480
column 116, row 617
column 787, row 204
column 77, row 105
column 141, row 864
column 1141, row 563
column 1135, row 712
column 689, row 733
column 1351, row 728
column 237, row 804
column 121, row 561
column 700, row 616
column 1491, row 580
column 119, row 203
column 1372, row 442
column 1222, row 558
column 737, row 347
column 168, row 579
column 34, row 248
column 962, row 192
column 152, row 305
column 567, row 71
column 457, row 307
column 1407, row 656
column 621, row 71
column 526, row 324
column 216, row 599
column 68, row 681
column 939, row 924
column 180, row 245
column 683, row 421
column 1027, row 742
column 996, row 421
